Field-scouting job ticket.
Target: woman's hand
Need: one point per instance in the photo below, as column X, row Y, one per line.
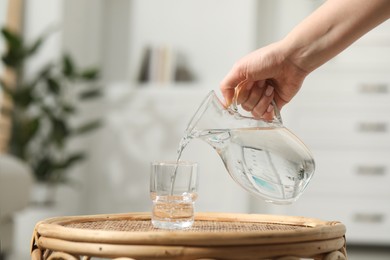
column 260, row 77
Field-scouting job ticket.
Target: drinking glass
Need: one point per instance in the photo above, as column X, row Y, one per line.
column 173, row 190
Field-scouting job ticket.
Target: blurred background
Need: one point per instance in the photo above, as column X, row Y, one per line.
column 130, row 75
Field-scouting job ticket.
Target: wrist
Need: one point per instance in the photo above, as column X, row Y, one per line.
column 296, row 53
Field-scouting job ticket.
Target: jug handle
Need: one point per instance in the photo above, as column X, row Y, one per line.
column 235, row 106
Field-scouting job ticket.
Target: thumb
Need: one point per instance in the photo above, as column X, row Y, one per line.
column 228, row 86
column 228, row 95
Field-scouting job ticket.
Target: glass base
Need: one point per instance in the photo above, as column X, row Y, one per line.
column 172, row 224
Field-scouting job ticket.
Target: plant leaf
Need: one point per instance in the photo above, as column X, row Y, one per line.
column 35, row 46
column 90, row 74
column 53, row 85
column 45, row 71
column 11, row 38
column 88, row 127
column 23, row 132
column 12, row 58
column 90, row 94
column 48, row 112
column 68, row 68
column 43, row 169
column 14, row 55
column 59, row 132
column 30, row 129
column 72, row 159
column 69, row 109
column 23, row 96
column 17, row 145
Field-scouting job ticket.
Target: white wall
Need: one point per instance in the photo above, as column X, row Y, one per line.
column 83, row 31
column 276, row 18
column 40, row 17
column 211, row 34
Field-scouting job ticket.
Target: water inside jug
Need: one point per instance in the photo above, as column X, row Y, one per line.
column 263, row 157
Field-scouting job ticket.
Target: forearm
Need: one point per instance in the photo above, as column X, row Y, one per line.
column 332, row 28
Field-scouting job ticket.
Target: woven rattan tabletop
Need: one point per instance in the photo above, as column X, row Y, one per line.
column 213, row 236
column 214, row 226
column 218, row 228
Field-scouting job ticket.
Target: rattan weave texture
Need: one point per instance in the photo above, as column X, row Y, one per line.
column 199, row 226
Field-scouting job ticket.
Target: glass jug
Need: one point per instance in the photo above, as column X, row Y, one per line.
column 263, row 157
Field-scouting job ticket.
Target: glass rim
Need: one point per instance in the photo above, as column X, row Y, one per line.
column 174, row 163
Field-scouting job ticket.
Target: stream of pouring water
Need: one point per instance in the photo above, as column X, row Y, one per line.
column 183, row 143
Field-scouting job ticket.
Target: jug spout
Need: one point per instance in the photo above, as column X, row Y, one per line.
column 209, row 115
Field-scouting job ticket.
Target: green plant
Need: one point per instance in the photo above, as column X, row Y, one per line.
column 44, row 106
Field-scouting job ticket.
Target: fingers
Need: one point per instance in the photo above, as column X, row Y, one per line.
column 234, row 78
column 264, row 105
column 268, row 115
column 253, row 96
column 227, row 88
column 244, row 92
column 257, row 99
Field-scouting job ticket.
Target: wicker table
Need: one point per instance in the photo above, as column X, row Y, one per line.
column 213, row 236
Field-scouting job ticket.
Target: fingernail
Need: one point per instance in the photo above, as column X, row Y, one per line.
column 270, row 108
column 269, row 90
